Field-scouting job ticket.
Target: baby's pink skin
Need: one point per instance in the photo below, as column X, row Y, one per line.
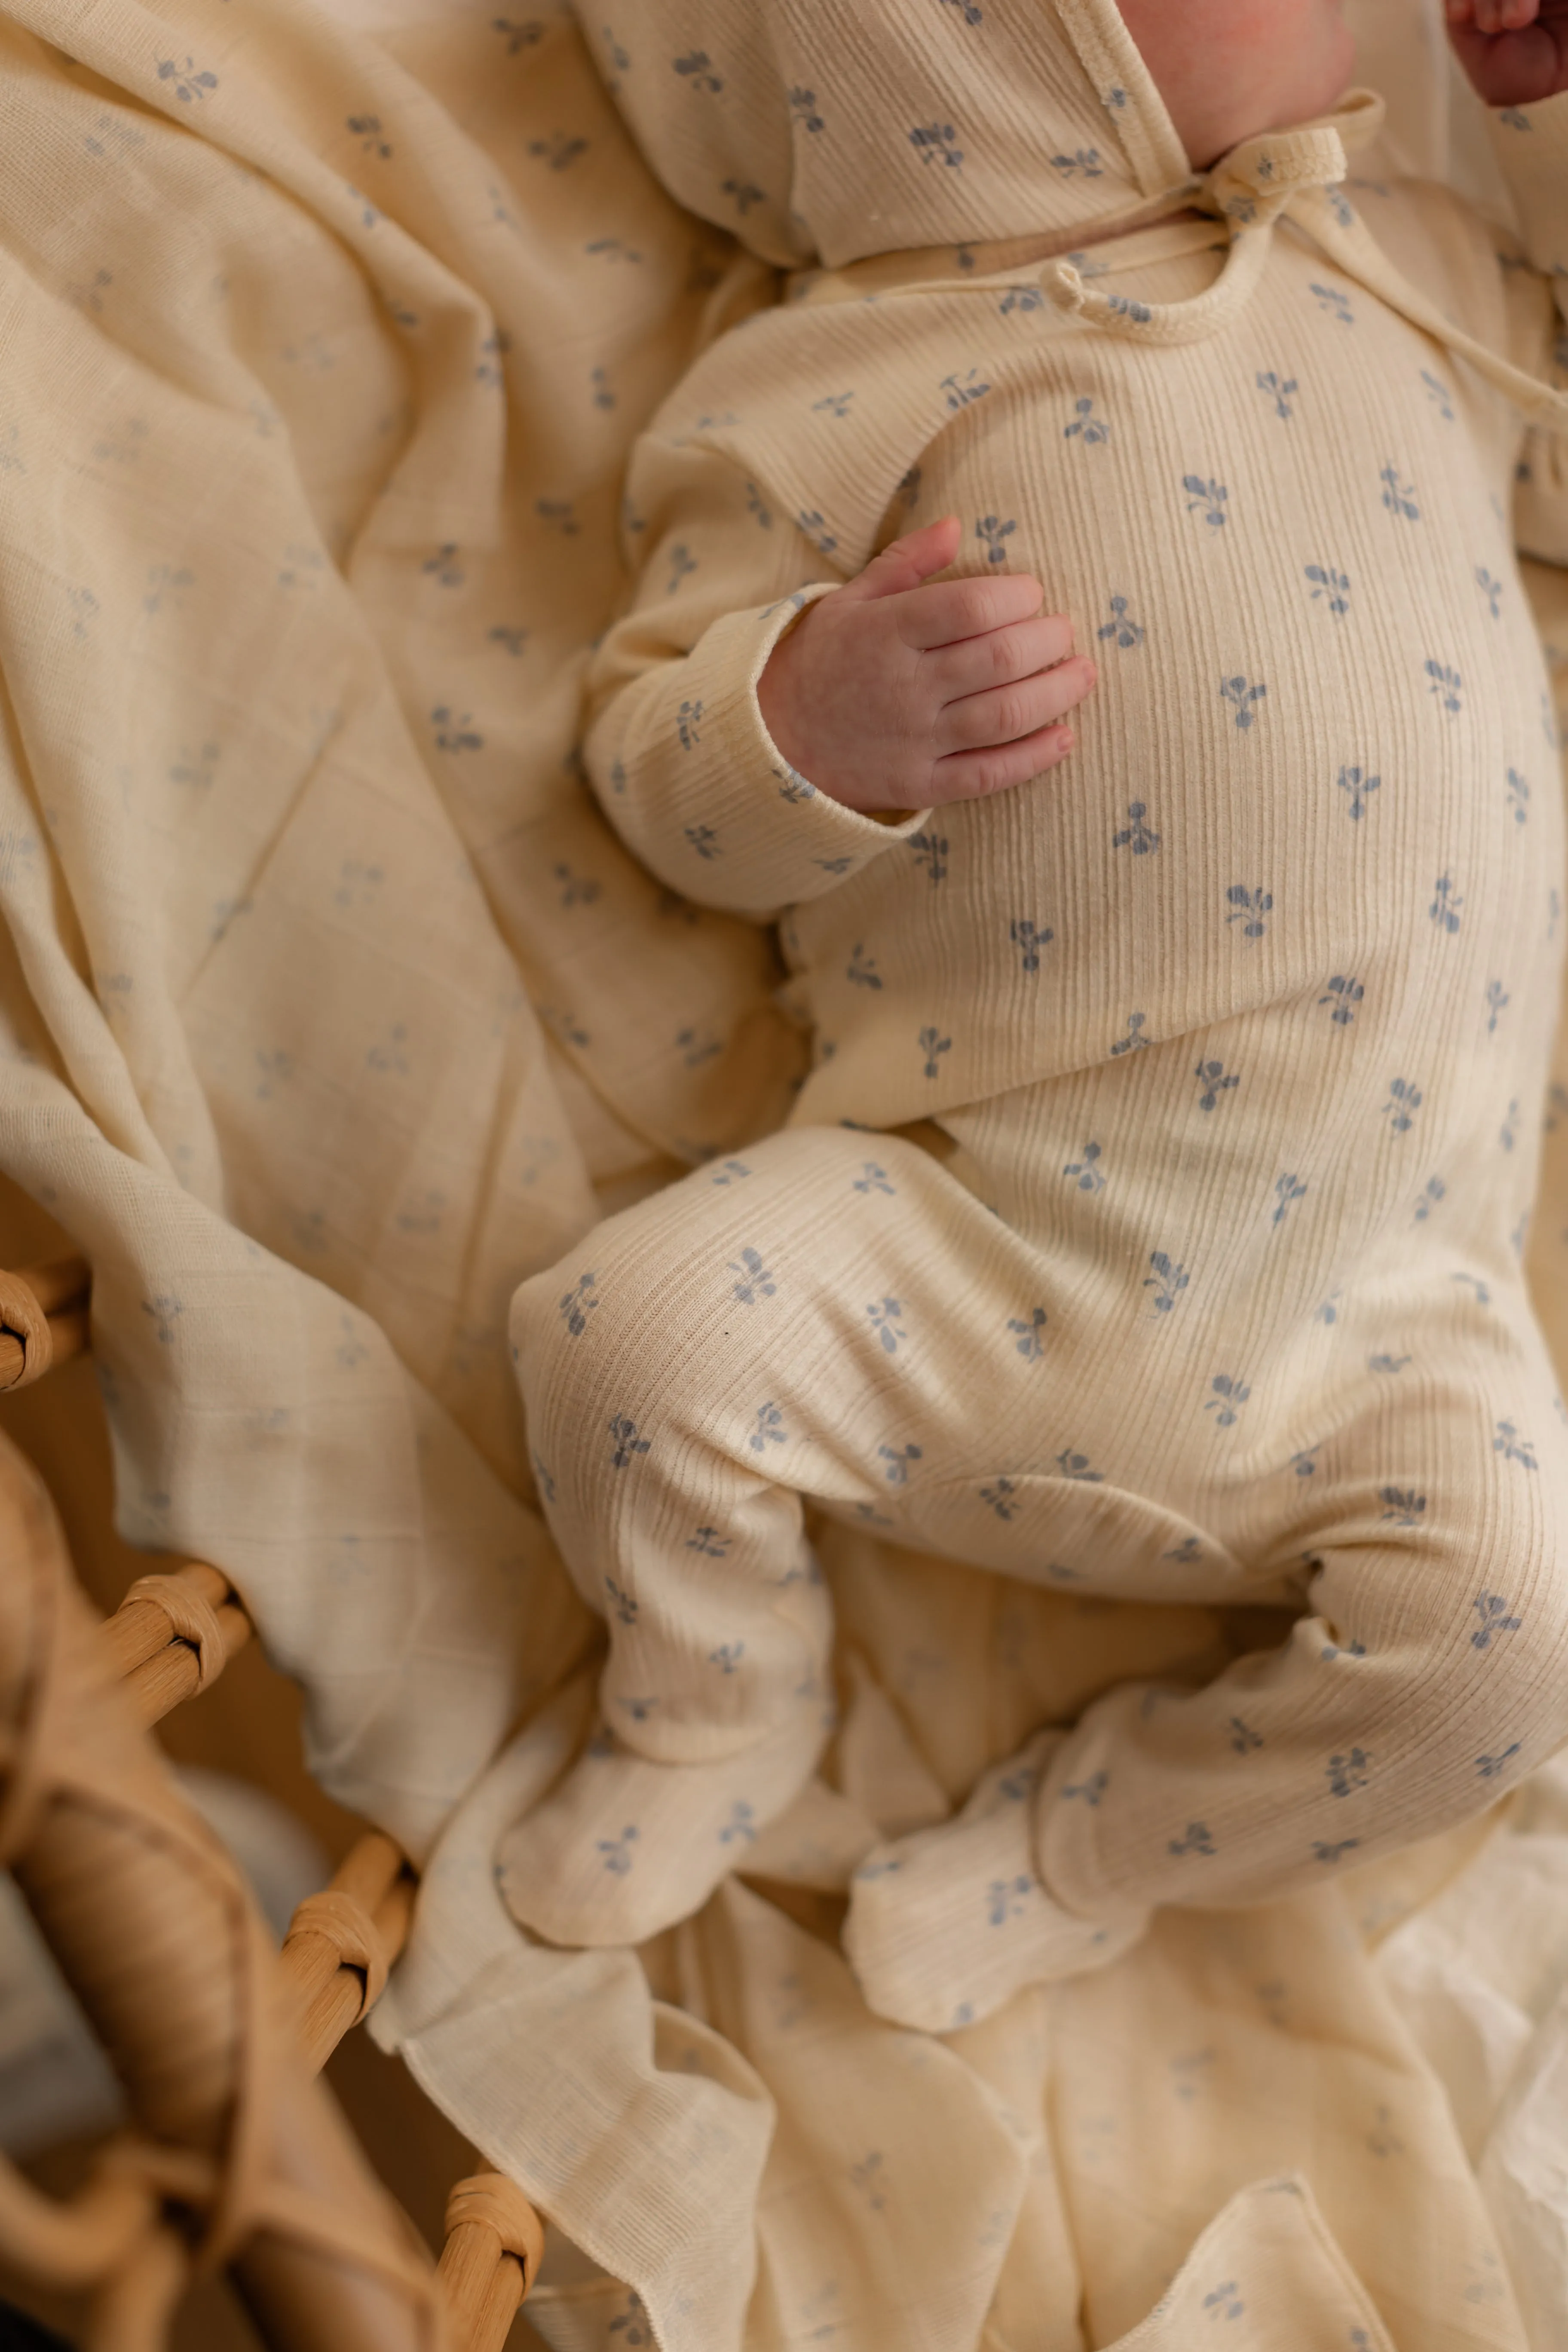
column 1230, row 68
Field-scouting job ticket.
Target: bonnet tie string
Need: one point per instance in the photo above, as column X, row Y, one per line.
column 1292, row 173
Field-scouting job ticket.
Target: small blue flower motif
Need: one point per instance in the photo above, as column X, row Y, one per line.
column 994, row 531
column 1086, row 1172
column 1448, row 685
column 931, row 139
column 1134, row 1040
column 959, row 395
column 1435, row 1191
column 1388, row 1365
column 1287, row 1191
column 628, row 1442
column 1250, row 909
column 617, row 1859
column 1492, row 1611
column 1207, row 497
column 885, row 1322
column 1437, row 391
column 1329, row 1311
column 1167, row 1281
column 756, row 1280
column 861, row 970
column 813, row 526
column 1223, row 2303
column 1483, row 1295
column 1445, row 908
column 1404, row 1101
column 1135, row 834
column 1490, row 589
column 624, row 1605
column 1515, row 118
column 1399, row 495
column 1242, row 698
column 933, row 1044
column 1085, row 427
column 727, row 1656
column 1347, row 1773
column 686, row 719
column 1005, row 1898
column 770, row 1429
column 897, row 1459
column 1127, row 632
column 1488, row 1767
column 1512, row 1447
column 639, row 1709
column 1030, row 1344
column 1305, row 1463
column 1196, row 1840
column 1214, row 1080
column 1243, row 1738
column 1076, row 1465
column 1518, row 796
column 1185, row 1552
column 1229, row 1396
column 190, row 84
column 1332, row 586
column 698, row 69
column 741, row 1825
column 1280, row 390
column 1029, row 939
column 1122, row 306
column 578, row 1305
column 999, row 1497
column 1336, row 302
column 1345, row 1650
column 1498, row 998
column 1358, row 785
column 733, row 1171
column 1084, row 160
column 545, row 1477
column 1403, row 1506
column 873, row 1179
column 1089, row 1791
column 1324, row 1852
column 930, row 851
column 1344, row 993
column 703, row 840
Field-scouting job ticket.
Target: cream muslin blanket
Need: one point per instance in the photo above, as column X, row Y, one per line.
column 329, row 1010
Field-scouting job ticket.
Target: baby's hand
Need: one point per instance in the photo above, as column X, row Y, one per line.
column 887, row 694
column 1515, row 51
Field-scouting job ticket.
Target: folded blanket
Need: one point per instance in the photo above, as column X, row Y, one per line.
column 329, row 1010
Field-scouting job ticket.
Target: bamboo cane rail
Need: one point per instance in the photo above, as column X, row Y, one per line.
column 172, row 1636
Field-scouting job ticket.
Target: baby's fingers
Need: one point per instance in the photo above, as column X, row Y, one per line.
column 1494, row 16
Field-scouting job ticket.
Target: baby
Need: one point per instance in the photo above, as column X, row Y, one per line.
column 1149, row 1224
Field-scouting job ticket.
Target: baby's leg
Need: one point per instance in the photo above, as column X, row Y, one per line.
column 1431, row 1677
column 814, row 1321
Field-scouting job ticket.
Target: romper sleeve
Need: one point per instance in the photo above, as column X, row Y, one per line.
column 674, row 742
column 1531, row 147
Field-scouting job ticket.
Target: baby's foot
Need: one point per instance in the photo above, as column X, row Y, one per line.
column 624, row 1847
column 948, row 1923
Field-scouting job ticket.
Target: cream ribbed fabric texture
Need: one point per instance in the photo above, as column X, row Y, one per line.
column 299, row 874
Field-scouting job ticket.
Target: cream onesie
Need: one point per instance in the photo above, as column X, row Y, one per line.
column 1223, row 1046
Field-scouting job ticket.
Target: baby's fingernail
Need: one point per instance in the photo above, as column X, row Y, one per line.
column 1065, row 741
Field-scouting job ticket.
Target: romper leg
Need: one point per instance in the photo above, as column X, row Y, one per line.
column 787, row 1326
column 1432, row 1676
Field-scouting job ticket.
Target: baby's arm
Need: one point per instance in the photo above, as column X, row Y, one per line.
column 901, row 695
column 1516, row 55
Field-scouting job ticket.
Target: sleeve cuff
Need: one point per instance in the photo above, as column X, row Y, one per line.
column 735, row 826
column 1531, row 144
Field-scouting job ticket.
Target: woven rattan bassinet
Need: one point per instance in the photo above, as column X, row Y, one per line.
column 236, row 2158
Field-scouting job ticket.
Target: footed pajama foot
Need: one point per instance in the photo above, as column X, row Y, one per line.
column 625, row 1847
column 948, row 1923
